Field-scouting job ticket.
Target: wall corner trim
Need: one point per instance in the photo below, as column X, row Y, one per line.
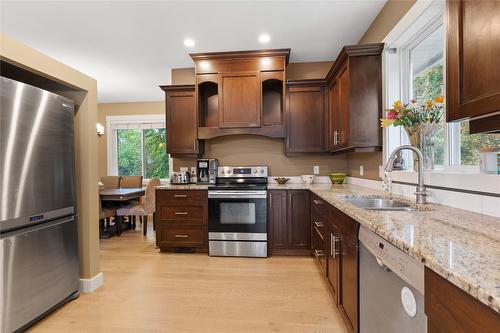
column 90, row 285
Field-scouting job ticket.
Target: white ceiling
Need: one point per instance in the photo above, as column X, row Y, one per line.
column 130, row 47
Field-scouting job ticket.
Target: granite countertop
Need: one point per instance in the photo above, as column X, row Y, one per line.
column 182, row 187
column 461, row 246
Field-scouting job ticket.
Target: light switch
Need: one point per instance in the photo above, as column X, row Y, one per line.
column 361, row 170
column 316, row 169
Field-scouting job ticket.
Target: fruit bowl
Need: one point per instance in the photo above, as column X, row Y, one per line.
column 337, row 178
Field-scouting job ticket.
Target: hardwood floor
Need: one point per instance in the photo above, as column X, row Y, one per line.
column 145, row 291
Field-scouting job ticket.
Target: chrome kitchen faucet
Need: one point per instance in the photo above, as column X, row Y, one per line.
column 421, row 192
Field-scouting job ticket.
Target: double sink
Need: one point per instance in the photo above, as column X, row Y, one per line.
column 378, row 203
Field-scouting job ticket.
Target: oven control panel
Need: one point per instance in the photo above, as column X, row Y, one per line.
column 242, row 172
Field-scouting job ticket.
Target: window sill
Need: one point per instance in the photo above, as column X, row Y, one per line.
column 458, row 179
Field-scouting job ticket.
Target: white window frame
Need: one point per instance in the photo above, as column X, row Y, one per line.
column 133, row 121
column 418, row 21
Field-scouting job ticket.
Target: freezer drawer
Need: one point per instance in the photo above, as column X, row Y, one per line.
column 40, row 269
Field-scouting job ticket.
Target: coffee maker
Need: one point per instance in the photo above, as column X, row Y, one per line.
column 207, row 170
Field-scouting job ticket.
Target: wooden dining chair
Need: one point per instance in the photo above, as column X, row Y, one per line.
column 143, row 209
column 111, row 181
column 131, row 182
column 105, row 215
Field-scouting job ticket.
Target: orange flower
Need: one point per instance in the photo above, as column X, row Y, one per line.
column 429, row 104
column 439, row 99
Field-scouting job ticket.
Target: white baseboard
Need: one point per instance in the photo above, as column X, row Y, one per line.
column 89, row 285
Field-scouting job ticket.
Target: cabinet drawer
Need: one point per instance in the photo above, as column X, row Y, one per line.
column 179, row 236
column 319, row 206
column 319, row 247
column 182, row 197
column 181, row 212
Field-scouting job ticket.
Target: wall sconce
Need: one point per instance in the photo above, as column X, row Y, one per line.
column 100, row 129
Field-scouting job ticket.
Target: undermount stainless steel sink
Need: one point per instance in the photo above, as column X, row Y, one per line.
column 379, row 203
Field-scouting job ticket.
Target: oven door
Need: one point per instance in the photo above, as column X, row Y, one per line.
column 232, row 213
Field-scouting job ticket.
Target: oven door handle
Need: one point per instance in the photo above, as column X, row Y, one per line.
column 237, row 194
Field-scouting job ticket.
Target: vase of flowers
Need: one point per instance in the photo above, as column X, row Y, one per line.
column 419, row 121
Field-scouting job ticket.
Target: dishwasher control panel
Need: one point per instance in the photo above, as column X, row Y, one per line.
column 406, row 267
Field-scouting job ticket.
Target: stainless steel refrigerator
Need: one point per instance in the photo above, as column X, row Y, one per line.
column 38, row 221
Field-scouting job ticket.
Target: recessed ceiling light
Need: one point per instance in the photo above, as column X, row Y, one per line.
column 264, row 38
column 188, row 42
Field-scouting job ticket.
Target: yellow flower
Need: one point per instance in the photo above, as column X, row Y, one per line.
column 386, row 122
column 439, row 99
column 397, row 104
column 429, row 104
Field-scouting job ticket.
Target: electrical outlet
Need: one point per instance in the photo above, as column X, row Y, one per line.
column 316, row 169
column 361, row 170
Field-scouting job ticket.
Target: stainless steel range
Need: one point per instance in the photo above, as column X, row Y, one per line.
column 237, row 212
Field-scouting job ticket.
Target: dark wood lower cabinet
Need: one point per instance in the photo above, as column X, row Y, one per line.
column 348, row 291
column 451, row 310
column 333, row 261
column 181, row 219
column 277, row 215
column 339, row 244
column 289, row 222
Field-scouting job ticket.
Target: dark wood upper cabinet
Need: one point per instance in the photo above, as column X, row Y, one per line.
column 305, row 116
column 333, row 129
column 273, row 96
column 241, row 92
column 181, row 120
column 472, row 67
column 240, row 99
column 355, row 99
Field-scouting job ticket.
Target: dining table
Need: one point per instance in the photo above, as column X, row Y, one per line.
column 120, row 195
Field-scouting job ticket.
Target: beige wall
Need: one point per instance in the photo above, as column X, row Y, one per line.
column 294, row 71
column 388, row 17
column 23, row 56
column 183, row 75
column 120, row 109
column 256, row 150
column 308, row 70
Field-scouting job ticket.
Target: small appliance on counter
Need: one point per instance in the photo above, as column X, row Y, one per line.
column 181, row 177
column 237, row 212
column 207, row 170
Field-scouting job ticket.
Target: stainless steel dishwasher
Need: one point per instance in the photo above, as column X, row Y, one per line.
column 391, row 288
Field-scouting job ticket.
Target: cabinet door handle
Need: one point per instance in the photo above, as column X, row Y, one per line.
column 180, row 195
column 318, row 224
column 318, row 202
column 180, row 213
column 318, row 253
column 335, row 138
column 181, row 236
column 333, row 245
